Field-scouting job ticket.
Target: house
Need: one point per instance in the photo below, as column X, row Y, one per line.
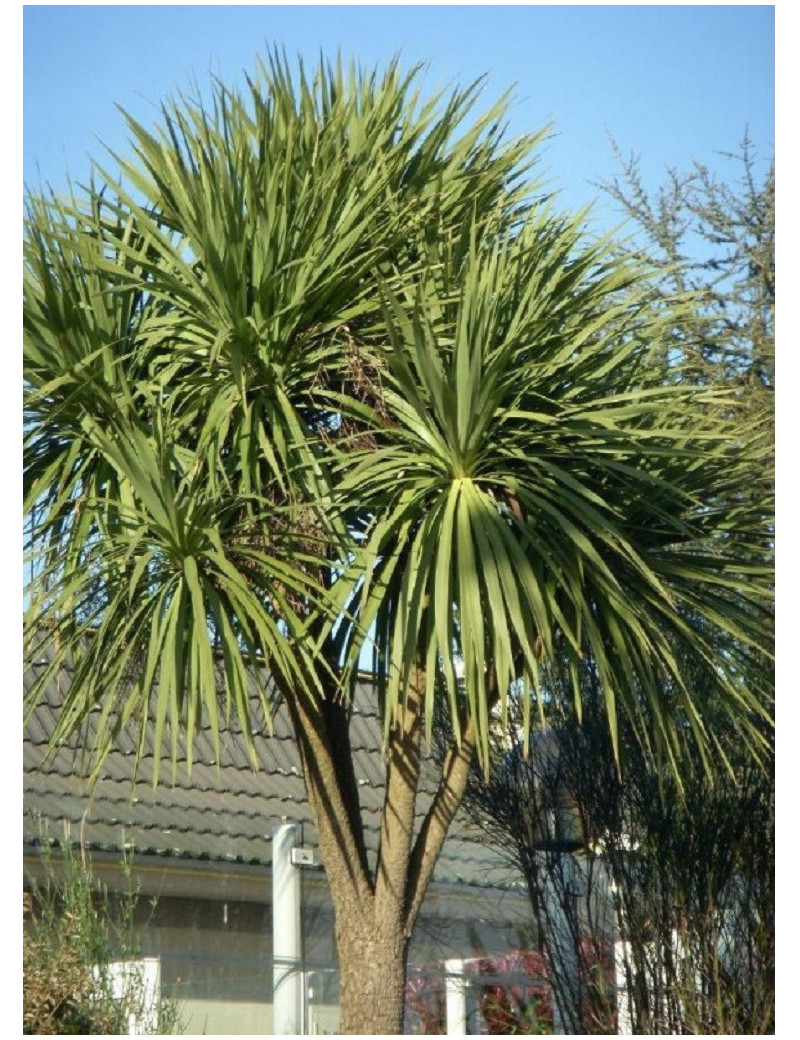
column 201, row 848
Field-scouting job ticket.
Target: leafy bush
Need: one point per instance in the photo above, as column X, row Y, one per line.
column 75, row 933
column 520, row 1000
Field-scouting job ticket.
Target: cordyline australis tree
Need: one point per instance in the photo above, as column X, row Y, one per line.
column 319, row 368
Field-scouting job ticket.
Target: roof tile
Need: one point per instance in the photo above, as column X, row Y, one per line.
column 225, row 810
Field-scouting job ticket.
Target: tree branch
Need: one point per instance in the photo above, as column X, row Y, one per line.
column 334, row 801
column 455, row 773
column 397, row 819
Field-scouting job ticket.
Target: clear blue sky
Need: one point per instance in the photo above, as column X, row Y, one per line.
column 671, row 84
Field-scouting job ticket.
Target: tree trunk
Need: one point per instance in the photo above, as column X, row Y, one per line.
column 372, row 969
column 372, row 933
column 375, row 909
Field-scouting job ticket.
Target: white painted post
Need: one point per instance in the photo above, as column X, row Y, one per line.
column 140, row 982
column 622, row 952
column 286, row 935
column 455, row 988
column 565, row 961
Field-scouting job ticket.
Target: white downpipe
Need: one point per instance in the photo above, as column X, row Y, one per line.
column 287, row 950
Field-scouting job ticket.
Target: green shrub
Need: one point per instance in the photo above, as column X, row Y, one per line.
column 74, row 932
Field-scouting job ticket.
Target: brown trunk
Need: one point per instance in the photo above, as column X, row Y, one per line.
column 375, row 909
column 372, row 969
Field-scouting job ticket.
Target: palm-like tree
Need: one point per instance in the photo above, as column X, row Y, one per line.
column 321, row 369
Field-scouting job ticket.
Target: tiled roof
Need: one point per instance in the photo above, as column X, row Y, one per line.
column 225, row 811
